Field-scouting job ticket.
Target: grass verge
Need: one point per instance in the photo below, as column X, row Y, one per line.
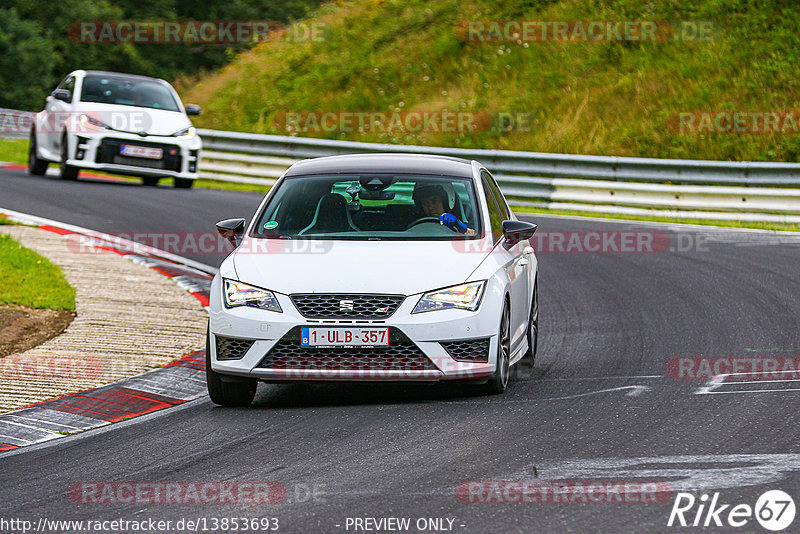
column 29, row 279
column 14, row 150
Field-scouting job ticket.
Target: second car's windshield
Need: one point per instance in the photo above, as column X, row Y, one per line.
column 375, row 206
column 127, row 92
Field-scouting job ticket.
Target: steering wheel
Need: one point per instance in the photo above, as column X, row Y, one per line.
column 423, row 220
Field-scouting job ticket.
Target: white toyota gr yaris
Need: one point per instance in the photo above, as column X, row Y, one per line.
column 374, row 267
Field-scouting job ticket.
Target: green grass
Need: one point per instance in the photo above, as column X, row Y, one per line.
column 28, row 279
column 14, row 150
column 788, row 227
column 606, row 98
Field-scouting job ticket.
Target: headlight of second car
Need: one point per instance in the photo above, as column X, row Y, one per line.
column 186, row 134
column 463, row 296
column 238, row 294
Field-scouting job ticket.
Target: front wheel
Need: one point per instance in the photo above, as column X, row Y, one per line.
column 529, row 358
column 498, row 382
column 225, row 393
column 68, row 172
column 36, row 166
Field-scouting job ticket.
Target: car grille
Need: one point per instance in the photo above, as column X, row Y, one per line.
column 401, row 355
column 330, row 306
column 229, row 348
column 109, row 152
column 471, row 350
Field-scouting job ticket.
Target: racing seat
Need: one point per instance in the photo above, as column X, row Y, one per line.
column 331, row 216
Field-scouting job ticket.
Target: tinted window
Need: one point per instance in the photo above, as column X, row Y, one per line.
column 495, row 215
column 125, row 91
column 374, row 206
column 506, row 213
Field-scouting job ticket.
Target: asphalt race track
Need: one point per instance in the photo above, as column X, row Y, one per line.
column 605, row 402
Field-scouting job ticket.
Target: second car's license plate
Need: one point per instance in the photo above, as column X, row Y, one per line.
column 141, row 152
column 344, row 337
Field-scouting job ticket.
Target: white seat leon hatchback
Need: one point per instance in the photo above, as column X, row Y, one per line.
column 374, row 267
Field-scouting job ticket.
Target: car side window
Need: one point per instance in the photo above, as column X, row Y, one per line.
column 501, row 202
column 495, row 215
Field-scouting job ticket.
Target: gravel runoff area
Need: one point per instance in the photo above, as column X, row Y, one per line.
column 130, row 319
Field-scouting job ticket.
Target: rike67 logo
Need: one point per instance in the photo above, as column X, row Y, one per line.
column 774, row 510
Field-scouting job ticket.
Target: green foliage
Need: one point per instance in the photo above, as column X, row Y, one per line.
column 36, row 50
column 586, row 97
column 28, row 279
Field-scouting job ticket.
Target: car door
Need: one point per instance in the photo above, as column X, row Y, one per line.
column 58, row 116
column 513, row 260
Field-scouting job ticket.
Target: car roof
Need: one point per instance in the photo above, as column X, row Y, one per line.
column 427, row 164
column 120, row 75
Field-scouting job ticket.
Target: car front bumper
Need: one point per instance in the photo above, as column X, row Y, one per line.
column 424, row 338
column 101, row 151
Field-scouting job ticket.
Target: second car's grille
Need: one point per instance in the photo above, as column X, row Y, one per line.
column 229, row 348
column 471, row 350
column 401, row 355
column 109, row 152
column 344, row 306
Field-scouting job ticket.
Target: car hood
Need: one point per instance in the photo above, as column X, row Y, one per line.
column 134, row 119
column 334, row 266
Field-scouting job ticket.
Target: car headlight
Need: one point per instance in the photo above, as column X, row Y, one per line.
column 239, row 294
column 186, row 134
column 90, row 123
column 463, row 296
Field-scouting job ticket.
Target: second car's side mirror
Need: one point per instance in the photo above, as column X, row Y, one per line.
column 65, row 95
column 232, row 230
column 193, row 109
column 516, row 231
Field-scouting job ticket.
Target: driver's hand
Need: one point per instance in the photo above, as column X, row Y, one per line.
column 450, row 221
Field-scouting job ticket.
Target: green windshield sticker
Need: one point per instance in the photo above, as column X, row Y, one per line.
column 270, row 225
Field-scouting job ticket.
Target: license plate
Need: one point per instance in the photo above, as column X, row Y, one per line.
column 344, row 337
column 141, row 152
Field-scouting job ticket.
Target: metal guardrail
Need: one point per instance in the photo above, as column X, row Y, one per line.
column 15, row 123
column 730, row 190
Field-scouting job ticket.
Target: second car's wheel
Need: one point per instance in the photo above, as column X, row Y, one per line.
column 498, row 381
column 68, row 172
column 36, row 166
column 533, row 328
column 150, row 180
column 183, row 183
column 224, row 393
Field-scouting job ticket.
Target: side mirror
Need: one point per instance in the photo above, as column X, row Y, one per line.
column 193, row 109
column 65, row 95
column 516, row 231
column 232, row 230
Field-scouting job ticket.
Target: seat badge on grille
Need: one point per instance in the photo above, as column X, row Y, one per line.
column 346, row 305
column 382, row 310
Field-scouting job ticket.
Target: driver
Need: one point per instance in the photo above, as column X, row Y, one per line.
column 430, row 200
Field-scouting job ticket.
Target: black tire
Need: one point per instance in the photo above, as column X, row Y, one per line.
column 225, row 393
column 529, row 358
column 183, row 183
column 36, row 166
column 68, row 172
column 150, row 181
column 498, row 381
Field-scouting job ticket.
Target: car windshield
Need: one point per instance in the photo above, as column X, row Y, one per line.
column 125, row 91
column 371, row 207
